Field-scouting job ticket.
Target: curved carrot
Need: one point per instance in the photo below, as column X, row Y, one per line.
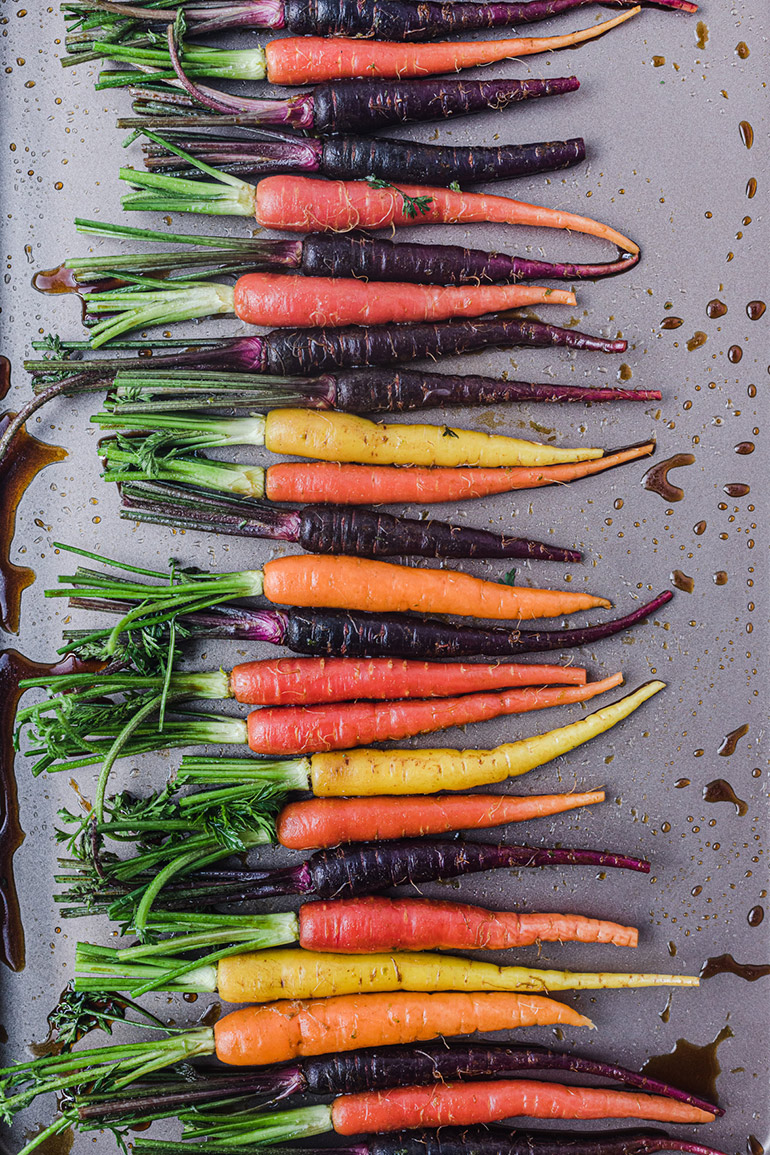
column 263, row 298
column 362, row 925
column 355, row 583
column 317, row 822
column 306, row 729
column 276, row 1032
column 303, row 681
column 370, row 485
column 312, row 59
column 301, row 204
column 461, row 1104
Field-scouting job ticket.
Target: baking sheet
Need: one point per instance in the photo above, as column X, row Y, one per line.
column 660, row 107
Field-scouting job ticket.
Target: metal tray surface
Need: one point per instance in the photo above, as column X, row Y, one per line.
column 660, row 106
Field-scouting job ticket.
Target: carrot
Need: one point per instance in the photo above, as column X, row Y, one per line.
column 279, row 1031
column 317, row 822
column 369, row 924
column 461, row 1104
column 370, row 771
column 304, row 681
column 331, row 436
column 366, row 484
column 267, row 298
column 306, row 729
column 355, row 583
column 311, row 59
column 301, row 204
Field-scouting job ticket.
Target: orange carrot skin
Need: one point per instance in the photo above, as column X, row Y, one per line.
column 355, row 583
column 302, row 205
column 462, row 1104
column 291, row 1028
column 305, row 681
column 319, row 822
column 270, row 299
column 365, row 925
column 309, row 729
column 327, row 481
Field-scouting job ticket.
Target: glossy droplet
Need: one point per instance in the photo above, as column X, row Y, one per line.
column 720, row 578
column 702, row 34
column 744, row 448
column 753, row 1146
column 681, row 783
column 734, row 354
column 698, row 338
column 699, row 528
column 755, row 916
column 755, row 310
column 656, row 478
column 690, row 1067
column 716, row 308
column 658, row 61
column 723, row 964
column 721, row 791
column 672, row 323
column 736, row 489
column 730, row 741
column 742, row 49
column 747, row 133
column 55, row 281
column 682, row 581
column 751, row 188
column 625, row 373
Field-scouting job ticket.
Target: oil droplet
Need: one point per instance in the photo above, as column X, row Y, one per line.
column 702, row 33
column 190, row 997
column 721, row 791
column 716, row 308
column 747, row 133
column 55, row 281
column 745, row 447
column 696, row 890
column 656, row 478
column 755, row 310
column 725, row 964
column 698, row 338
column 665, row 1014
column 658, row 61
column 672, row 949
column 624, row 372
column 755, row 916
column 729, row 743
column 753, row 1146
column 742, row 49
column 699, row 528
column 672, row 323
column 736, row 489
column 682, row 581
column 689, row 1067
column 734, row 354
column 751, row 188
column 681, row 783
column 720, row 578
column 617, row 503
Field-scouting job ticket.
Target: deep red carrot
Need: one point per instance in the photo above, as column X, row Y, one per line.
column 305, row 681
column 307, row 729
column 358, row 926
column 366, row 484
column 320, row 822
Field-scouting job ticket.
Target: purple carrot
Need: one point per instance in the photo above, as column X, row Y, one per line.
column 369, row 1069
column 358, row 158
column 342, row 106
column 336, row 633
column 324, row 528
column 471, row 1141
column 399, row 20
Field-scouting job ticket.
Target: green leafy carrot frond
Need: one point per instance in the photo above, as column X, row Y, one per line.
column 413, row 206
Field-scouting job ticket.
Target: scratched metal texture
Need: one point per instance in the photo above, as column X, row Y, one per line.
column 661, row 114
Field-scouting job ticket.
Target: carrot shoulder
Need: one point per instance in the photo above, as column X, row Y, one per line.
column 317, row 822
column 277, row 1032
column 463, row 1104
column 360, row 584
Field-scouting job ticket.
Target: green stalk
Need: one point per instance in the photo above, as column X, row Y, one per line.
column 258, row 1127
column 139, row 310
column 127, row 464
column 227, row 64
column 290, row 774
column 218, row 431
column 226, row 195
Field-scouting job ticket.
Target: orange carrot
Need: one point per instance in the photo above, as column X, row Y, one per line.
column 301, row 204
column 313, row 59
column 318, row 822
column 260, row 298
column 354, row 583
column 367, row 484
column 306, row 729
column 362, row 925
column 462, row 1104
column 277, row 1032
column 303, row 681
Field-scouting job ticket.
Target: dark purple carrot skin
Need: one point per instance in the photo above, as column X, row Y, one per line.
column 357, row 158
column 352, row 1072
column 334, row 529
column 473, row 1141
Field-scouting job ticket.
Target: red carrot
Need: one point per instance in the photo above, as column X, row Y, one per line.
column 307, row 729
column 305, row 681
column 320, row 822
